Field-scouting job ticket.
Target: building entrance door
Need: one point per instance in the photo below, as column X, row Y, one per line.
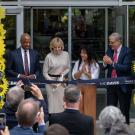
column 13, row 23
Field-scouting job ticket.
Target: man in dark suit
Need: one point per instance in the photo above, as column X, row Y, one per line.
column 71, row 118
column 118, row 61
column 23, row 62
column 27, row 114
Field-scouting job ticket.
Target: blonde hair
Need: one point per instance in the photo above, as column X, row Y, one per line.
column 56, row 40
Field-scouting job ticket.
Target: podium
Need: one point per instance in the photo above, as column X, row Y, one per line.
column 88, row 103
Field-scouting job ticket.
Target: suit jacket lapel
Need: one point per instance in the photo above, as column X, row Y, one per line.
column 120, row 54
column 111, row 53
column 30, row 52
column 21, row 59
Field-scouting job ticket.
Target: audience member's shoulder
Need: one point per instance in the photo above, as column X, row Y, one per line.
column 56, row 114
column 21, row 131
column 14, row 130
column 87, row 118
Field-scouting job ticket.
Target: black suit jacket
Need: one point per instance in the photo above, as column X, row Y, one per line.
column 15, row 63
column 123, row 66
column 74, row 121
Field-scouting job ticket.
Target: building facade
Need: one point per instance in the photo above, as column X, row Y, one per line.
column 78, row 22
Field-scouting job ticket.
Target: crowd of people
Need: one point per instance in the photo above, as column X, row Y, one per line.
column 30, row 114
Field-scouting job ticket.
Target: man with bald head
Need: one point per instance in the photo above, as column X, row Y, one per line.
column 23, row 62
column 28, row 113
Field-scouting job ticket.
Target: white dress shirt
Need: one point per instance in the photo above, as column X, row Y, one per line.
column 28, row 56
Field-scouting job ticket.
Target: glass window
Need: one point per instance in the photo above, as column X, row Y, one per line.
column 88, row 28
column 10, row 27
column 48, row 23
column 27, row 21
column 117, row 22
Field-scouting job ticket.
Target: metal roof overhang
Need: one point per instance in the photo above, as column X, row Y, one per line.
column 71, row 3
column 66, row 3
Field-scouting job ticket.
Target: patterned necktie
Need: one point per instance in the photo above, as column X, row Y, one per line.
column 26, row 63
column 115, row 58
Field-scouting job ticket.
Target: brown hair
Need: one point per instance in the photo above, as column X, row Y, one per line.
column 57, row 129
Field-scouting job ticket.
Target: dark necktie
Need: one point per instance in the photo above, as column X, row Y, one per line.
column 26, row 67
column 115, row 58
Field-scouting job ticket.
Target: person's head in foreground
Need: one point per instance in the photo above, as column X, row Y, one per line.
column 72, row 96
column 57, row 129
column 27, row 112
column 113, row 121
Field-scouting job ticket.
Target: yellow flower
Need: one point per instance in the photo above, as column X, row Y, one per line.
column 1, row 103
column 2, row 31
column 2, row 48
column 133, row 67
column 134, row 98
column 64, row 19
column 2, row 64
column 3, row 81
column 3, row 86
column 2, row 13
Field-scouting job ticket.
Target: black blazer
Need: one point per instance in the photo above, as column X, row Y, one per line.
column 15, row 63
column 74, row 121
column 123, row 66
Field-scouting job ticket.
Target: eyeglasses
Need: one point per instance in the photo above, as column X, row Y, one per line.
column 112, row 42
